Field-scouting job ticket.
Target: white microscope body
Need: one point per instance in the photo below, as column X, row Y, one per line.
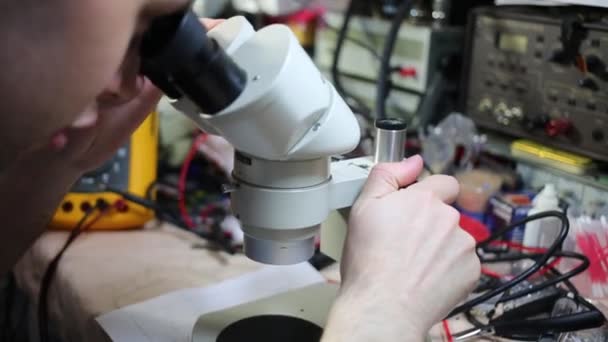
column 262, row 92
column 286, row 125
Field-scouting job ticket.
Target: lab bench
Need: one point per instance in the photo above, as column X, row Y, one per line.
column 105, row 271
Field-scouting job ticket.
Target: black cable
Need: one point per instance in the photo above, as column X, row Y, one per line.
column 520, row 338
column 567, row 283
column 161, row 213
column 542, row 260
column 473, row 320
column 372, row 50
column 51, row 270
column 568, row 275
column 565, row 323
column 144, row 202
column 510, row 258
column 382, row 88
column 216, row 236
column 335, row 73
column 501, row 232
column 150, row 190
column 559, row 278
column 525, row 329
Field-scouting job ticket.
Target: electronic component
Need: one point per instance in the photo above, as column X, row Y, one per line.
column 419, row 53
column 506, row 209
column 540, row 75
column 543, row 155
column 132, row 169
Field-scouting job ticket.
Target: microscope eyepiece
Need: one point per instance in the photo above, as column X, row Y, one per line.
column 180, row 59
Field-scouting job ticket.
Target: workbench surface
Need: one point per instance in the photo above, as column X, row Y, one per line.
column 105, row 271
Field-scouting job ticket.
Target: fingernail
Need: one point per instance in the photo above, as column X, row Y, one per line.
column 87, row 119
column 412, row 158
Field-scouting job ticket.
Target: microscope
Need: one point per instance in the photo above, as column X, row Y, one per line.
column 264, row 95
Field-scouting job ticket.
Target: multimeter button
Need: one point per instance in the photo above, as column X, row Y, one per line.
column 594, row 63
column 101, row 203
column 122, row 207
column 556, row 127
column 598, row 135
column 85, row 206
column 588, row 83
column 122, row 152
column 67, row 207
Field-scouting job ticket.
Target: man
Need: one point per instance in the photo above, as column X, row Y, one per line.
column 72, row 95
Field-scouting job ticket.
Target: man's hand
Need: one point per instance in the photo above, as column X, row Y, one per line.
column 108, row 123
column 406, row 262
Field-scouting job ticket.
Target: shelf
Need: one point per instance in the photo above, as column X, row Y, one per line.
column 501, row 146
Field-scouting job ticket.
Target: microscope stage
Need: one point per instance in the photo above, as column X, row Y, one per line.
column 297, row 316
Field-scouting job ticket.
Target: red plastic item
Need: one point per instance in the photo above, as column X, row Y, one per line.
column 478, row 230
column 408, row 72
column 446, row 330
column 307, row 15
column 557, row 127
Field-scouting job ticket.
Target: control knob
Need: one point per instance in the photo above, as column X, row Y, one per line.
column 557, row 127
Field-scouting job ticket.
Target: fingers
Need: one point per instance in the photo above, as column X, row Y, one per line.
column 211, row 23
column 121, row 122
column 387, row 178
column 446, row 188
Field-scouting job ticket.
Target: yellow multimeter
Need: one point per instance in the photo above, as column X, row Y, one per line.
column 132, row 169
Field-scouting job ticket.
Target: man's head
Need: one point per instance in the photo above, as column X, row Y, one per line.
column 65, row 60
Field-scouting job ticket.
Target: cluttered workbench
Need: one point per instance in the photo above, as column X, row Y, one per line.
column 538, row 205
column 106, row 271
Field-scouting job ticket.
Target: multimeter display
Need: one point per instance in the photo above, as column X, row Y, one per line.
column 513, row 43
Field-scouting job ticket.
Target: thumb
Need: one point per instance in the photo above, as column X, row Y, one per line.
column 390, row 177
column 211, row 23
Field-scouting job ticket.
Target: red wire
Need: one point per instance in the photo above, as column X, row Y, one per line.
column 548, row 268
column 446, row 329
column 491, row 273
column 183, row 177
